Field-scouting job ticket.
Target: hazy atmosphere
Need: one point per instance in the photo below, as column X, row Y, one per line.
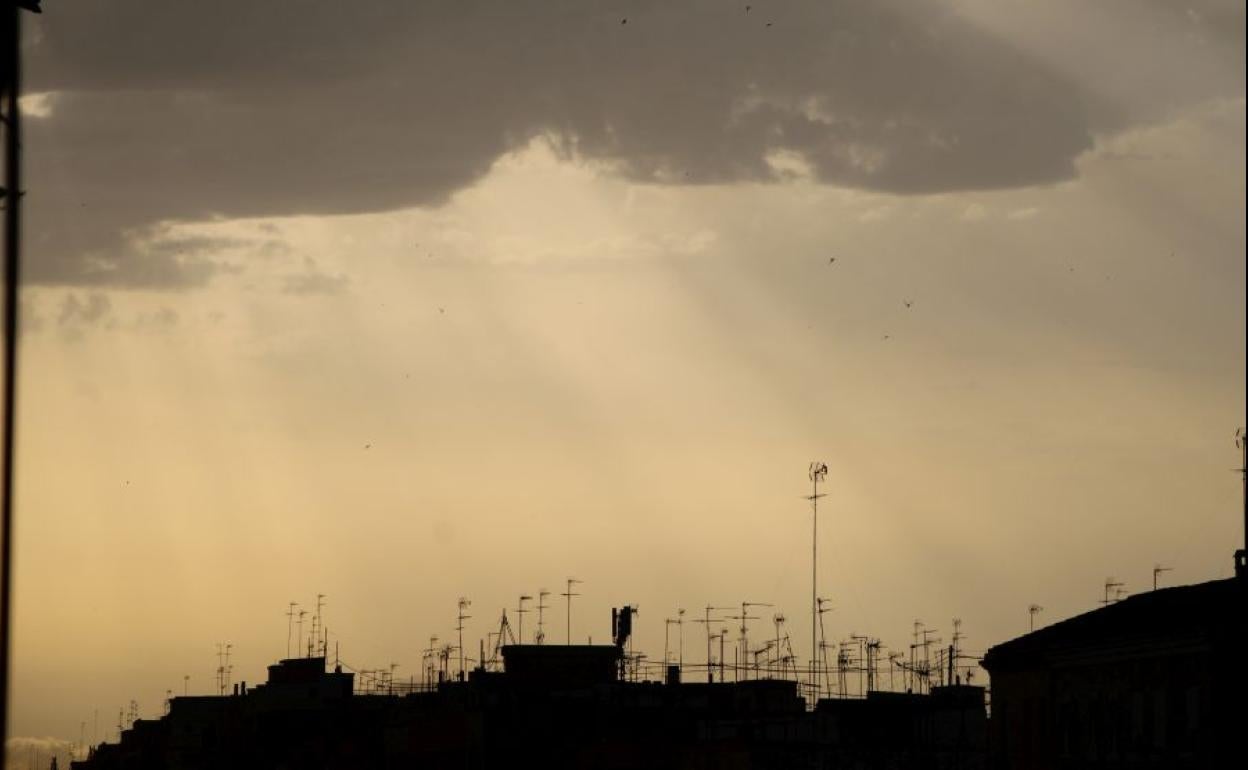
column 399, row 302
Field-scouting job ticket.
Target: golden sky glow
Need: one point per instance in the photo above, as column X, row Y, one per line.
column 559, row 369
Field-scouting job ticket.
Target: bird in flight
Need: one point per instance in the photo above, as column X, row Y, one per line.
column 831, row 260
column 368, row 446
column 441, row 310
column 907, row 302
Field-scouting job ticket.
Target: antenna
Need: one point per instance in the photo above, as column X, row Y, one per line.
column 459, row 628
column 778, row 621
column 1033, row 611
column 823, row 649
column 707, row 621
column 290, row 623
column 1111, row 584
column 817, row 472
column 520, row 610
column 302, row 613
column 680, row 631
column 540, row 636
column 745, row 617
column 569, row 594
column 316, row 623
column 1157, row 570
column 223, row 666
column 1241, row 556
column 431, row 655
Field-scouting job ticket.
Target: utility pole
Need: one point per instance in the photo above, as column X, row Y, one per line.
column 569, row 594
column 817, row 472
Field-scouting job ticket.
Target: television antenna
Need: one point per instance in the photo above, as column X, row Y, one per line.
column 817, row 472
column 569, row 594
column 540, row 636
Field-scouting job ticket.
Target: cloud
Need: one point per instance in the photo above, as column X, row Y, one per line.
column 312, row 281
column 975, row 212
column 76, row 312
column 161, row 319
column 1029, row 212
column 189, row 111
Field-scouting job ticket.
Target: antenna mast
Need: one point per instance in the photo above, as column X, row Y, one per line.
column 569, row 594
column 540, row 636
column 1157, row 570
column 290, row 625
column 520, row 611
column 1241, row 556
column 459, row 628
column 818, row 471
column 1032, row 611
column 316, row 625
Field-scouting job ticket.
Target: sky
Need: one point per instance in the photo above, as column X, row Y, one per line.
column 403, row 302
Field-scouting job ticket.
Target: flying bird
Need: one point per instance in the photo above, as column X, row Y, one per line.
column 368, row 446
column 907, row 302
column 441, row 310
column 623, row 21
column 831, row 260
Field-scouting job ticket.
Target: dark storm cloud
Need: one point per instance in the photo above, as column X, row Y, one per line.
column 186, row 110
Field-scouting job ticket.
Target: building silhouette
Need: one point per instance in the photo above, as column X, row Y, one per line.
column 555, row 706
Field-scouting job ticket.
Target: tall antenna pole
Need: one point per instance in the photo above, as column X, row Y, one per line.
column 818, row 472
column 316, row 624
column 569, row 594
column 1241, row 556
column 680, row 631
column 459, row 627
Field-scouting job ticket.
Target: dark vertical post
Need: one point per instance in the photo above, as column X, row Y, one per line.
column 12, row 204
